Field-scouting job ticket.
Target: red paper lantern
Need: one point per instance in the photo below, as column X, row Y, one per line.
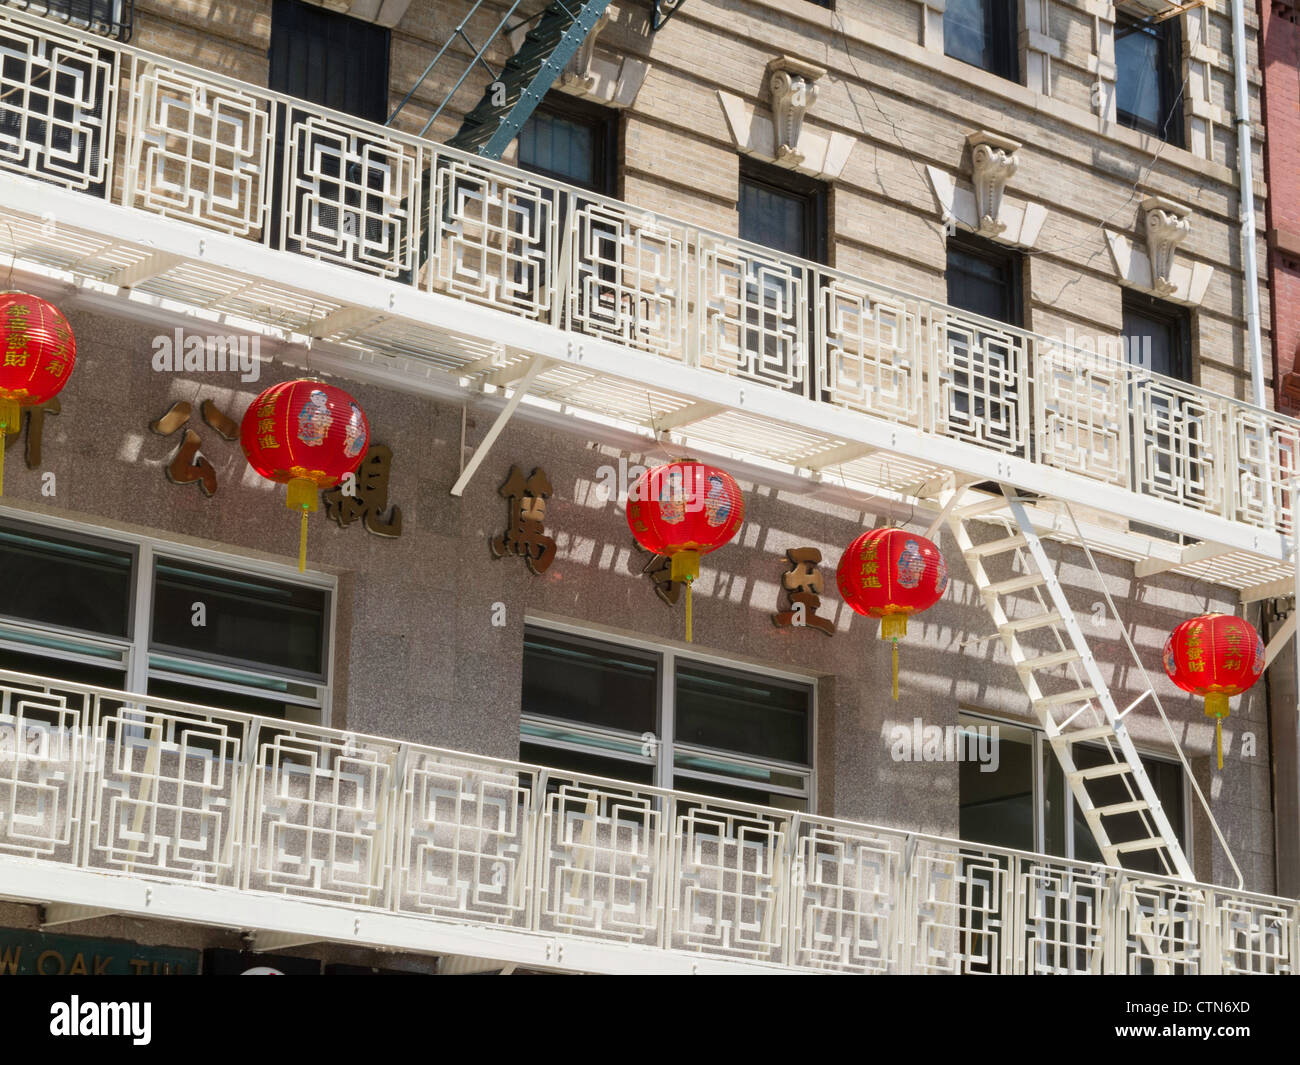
column 307, row 435
column 39, row 352
column 889, row 574
column 684, row 510
column 1215, row 656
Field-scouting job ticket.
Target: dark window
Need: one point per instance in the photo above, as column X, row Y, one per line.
column 984, row 34
column 1157, row 336
column 601, row 684
column 246, row 619
column 70, row 582
column 572, row 142
column 1148, row 75
column 598, row 708
column 112, row 18
column 783, row 211
column 741, row 713
column 329, row 59
column 984, row 278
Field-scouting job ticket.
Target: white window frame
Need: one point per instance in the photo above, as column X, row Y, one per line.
column 136, row 647
column 1041, row 753
column 666, row 745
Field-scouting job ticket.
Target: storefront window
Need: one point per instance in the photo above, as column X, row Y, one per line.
column 659, row 717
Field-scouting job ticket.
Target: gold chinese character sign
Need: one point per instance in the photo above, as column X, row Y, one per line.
column 526, row 534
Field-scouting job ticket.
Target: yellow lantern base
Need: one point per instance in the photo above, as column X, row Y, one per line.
column 1216, row 706
column 894, row 627
column 11, row 417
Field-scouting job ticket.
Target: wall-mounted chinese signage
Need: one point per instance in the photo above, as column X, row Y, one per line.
column 526, row 534
column 188, row 466
column 803, row 588
column 42, row 954
column 369, row 498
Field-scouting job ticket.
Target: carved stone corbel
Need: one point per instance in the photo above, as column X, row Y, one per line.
column 1166, row 225
column 993, row 164
column 578, row 75
column 793, row 84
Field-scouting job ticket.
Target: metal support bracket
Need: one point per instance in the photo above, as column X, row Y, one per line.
column 480, row 452
column 61, row 913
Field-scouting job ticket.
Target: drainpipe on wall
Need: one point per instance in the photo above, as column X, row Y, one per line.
column 1246, row 188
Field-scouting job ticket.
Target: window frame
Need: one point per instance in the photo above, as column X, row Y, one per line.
column 1172, row 314
column 1041, row 753
column 813, row 193
column 663, row 762
column 138, row 647
column 1169, row 64
column 603, row 121
column 1002, row 22
column 978, row 247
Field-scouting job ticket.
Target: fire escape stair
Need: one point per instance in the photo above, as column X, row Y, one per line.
column 1086, row 702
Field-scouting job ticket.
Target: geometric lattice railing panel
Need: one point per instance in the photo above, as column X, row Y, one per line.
column 127, row 785
column 199, row 152
column 465, row 840
column 57, row 107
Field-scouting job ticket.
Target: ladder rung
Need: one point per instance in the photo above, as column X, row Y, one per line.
column 1150, row 844
column 1035, row 621
column 1075, row 695
column 1110, row 769
column 1119, row 808
column 995, row 547
column 1015, row 584
column 1083, row 735
column 1057, row 658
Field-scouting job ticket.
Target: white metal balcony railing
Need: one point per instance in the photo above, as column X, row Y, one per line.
column 261, row 814
column 137, row 131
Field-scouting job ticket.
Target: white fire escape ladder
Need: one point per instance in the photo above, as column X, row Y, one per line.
column 1083, row 712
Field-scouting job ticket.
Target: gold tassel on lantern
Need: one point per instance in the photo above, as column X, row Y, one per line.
column 685, row 567
column 894, row 627
column 11, row 418
column 1216, row 706
column 304, row 497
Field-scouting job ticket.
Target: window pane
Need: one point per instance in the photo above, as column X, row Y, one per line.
column 582, row 764
column 1137, row 74
column 743, row 713
column 561, row 147
column 734, row 793
column 248, row 619
column 997, row 808
column 773, row 218
column 598, row 684
column 981, row 285
column 1155, row 342
column 968, row 32
column 106, row 676
column 65, row 581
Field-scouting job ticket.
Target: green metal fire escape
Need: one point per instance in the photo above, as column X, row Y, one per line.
column 513, row 94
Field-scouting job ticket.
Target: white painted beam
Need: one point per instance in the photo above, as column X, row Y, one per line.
column 61, row 913
column 675, row 419
column 1279, row 639
column 53, row 884
column 1190, row 555
column 157, row 263
column 839, row 455
column 1277, row 589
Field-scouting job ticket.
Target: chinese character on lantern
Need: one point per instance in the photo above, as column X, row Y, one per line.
column 527, row 532
column 803, row 588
